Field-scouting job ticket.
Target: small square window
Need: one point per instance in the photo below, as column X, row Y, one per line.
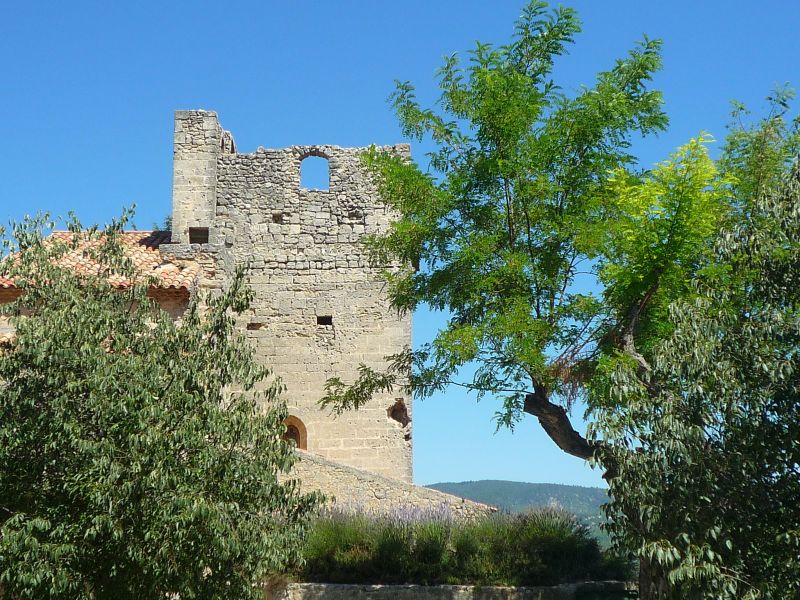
column 325, row 320
column 198, row 235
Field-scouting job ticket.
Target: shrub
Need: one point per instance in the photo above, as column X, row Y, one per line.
column 129, row 467
column 540, row 547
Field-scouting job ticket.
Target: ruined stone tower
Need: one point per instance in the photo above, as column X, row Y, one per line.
column 320, row 309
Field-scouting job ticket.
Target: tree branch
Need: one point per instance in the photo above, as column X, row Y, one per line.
column 629, row 329
column 509, row 213
column 555, row 421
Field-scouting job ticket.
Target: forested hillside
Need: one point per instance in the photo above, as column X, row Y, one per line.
column 516, row 496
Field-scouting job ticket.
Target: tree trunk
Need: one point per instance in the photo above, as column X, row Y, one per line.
column 555, row 421
column 653, row 583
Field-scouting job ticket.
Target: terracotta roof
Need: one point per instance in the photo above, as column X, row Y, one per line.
column 142, row 248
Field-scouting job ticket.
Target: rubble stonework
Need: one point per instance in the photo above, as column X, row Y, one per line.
column 607, row 590
column 320, row 309
column 355, row 490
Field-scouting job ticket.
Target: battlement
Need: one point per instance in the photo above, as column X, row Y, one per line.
column 320, row 308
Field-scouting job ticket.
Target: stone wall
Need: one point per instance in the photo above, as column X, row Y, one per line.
column 198, row 140
column 594, row 590
column 6, row 329
column 173, row 302
column 357, row 490
column 320, row 309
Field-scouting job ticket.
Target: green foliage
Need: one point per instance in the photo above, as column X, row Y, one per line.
column 687, row 358
column 661, row 227
column 530, row 196
column 517, row 496
column 165, row 225
column 136, row 460
column 756, row 153
column 705, row 446
column 540, row 547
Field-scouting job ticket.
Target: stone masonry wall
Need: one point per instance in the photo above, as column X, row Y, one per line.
column 6, row 296
column 320, row 310
column 590, row 590
column 198, row 140
column 356, row 490
column 173, row 302
column 6, row 329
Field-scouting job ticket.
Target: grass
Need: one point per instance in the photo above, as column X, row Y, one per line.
column 540, row 547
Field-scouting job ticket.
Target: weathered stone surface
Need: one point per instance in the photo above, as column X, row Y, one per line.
column 595, row 590
column 320, row 309
column 6, row 330
column 356, row 490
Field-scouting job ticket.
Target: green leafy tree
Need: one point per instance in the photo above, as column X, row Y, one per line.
column 531, row 201
column 710, row 496
column 532, row 194
column 135, row 458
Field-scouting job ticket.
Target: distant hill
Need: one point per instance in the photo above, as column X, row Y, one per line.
column 516, row 496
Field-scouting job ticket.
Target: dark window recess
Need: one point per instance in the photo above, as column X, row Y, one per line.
column 326, row 320
column 198, row 235
column 398, row 412
column 254, row 326
column 277, row 218
column 296, row 432
column 292, row 434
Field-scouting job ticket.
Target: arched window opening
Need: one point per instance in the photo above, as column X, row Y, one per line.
column 296, row 432
column 314, row 173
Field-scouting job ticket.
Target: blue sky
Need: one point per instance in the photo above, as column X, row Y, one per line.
column 89, row 89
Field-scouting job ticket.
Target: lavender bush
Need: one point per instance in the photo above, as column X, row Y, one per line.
column 541, row 547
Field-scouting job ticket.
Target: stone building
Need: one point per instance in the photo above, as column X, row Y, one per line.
column 320, row 309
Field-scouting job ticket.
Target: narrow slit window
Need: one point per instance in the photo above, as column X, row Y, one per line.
column 325, row 320
column 198, row 235
column 315, row 174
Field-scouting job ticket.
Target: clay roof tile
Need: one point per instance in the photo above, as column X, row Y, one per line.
column 142, row 248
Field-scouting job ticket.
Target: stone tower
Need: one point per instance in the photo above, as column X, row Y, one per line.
column 320, row 309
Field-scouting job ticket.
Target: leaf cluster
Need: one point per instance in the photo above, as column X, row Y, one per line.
column 706, row 463
column 530, row 206
column 139, row 457
column 542, row 546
